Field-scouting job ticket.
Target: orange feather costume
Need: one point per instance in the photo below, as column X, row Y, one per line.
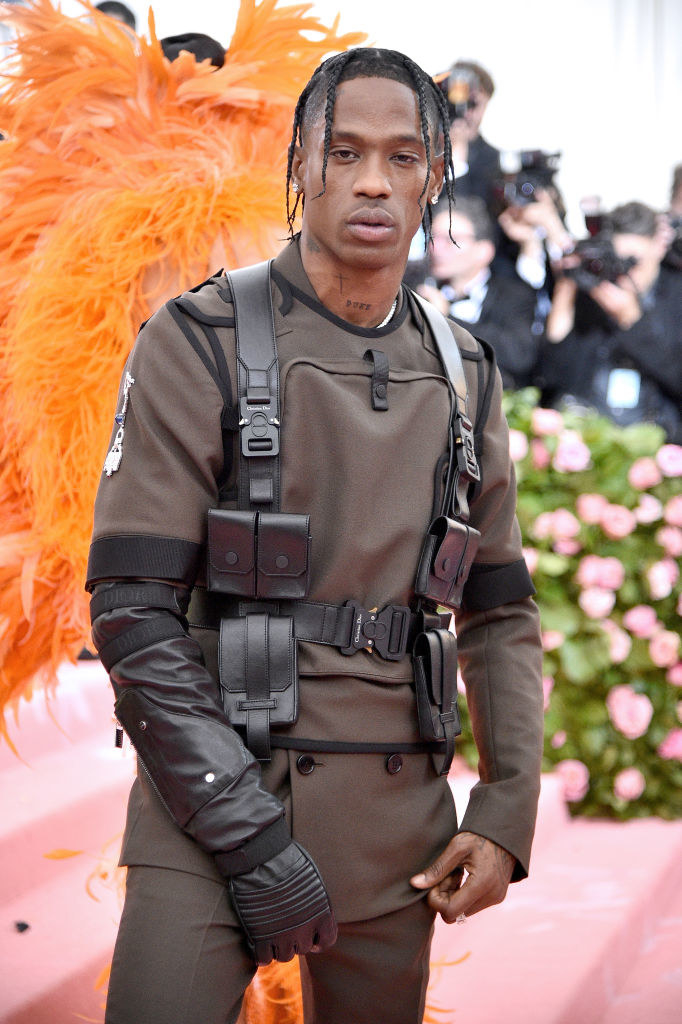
column 124, row 179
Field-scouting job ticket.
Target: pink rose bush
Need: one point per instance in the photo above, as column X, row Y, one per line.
column 600, row 511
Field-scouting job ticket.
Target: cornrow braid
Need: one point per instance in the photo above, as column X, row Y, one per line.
column 374, row 62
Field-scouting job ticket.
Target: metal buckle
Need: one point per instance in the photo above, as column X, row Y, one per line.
column 385, row 632
column 466, row 455
column 259, row 428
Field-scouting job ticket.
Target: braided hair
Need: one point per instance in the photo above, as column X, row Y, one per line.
column 374, row 62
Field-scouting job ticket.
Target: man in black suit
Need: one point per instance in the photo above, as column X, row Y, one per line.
column 494, row 307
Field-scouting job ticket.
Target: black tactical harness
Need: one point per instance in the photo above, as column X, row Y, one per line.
column 258, row 556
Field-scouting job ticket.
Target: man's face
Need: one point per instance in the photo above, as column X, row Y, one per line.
column 376, row 171
column 647, row 251
column 470, row 124
column 461, row 262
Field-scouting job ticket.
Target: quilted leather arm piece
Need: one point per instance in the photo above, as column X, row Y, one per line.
column 168, row 704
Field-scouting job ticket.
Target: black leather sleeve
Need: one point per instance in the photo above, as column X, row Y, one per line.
column 168, row 704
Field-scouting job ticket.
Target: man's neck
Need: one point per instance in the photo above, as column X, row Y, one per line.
column 362, row 296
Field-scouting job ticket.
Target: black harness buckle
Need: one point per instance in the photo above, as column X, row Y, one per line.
column 385, row 632
column 259, row 428
column 466, row 455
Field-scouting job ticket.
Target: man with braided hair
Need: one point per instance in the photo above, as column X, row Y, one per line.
column 331, row 833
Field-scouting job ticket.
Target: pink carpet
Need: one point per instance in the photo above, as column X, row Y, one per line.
column 594, row 936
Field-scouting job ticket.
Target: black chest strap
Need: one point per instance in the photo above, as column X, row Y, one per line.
column 464, row 469
column 257, row 388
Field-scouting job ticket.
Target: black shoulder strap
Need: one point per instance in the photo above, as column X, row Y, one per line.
column 257, row 387
column 466, row 470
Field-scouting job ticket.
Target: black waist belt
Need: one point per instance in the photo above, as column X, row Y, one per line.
column 390, row 632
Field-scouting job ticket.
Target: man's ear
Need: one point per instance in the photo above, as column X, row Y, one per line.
column 298, row 165
column 437, row 175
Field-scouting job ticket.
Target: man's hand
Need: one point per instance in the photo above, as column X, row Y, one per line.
column 619, row 300
column 489, row 869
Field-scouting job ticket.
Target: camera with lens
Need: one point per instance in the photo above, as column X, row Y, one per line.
column 599, row 262
column 524, row 172
column 459, row 86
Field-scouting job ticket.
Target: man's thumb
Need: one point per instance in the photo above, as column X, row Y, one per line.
column 435, row 873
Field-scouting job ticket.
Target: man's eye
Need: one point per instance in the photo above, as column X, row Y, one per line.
column 405, row 158
column 343, row 154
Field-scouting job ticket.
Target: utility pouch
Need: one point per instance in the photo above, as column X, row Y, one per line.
column 435, row 675
column 259, row 676
column 446, row 558
column 263, row 555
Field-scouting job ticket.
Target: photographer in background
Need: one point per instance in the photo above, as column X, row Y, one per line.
column 614, row 331
column 495, row 308
column 469, row 89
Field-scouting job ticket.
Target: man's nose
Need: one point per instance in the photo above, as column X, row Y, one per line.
column 372, row 179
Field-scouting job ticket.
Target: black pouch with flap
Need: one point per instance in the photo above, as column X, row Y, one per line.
column 435, row 675
column 262, row 555
column 259, row 676
column 446, row 558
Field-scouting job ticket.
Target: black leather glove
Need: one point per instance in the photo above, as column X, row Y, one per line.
column 283, row 907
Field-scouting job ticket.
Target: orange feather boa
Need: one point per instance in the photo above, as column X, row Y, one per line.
column 124, row 179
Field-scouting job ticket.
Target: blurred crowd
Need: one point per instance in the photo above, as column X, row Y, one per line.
column 593, row 322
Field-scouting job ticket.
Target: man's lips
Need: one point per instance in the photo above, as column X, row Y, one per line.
column 370, row 224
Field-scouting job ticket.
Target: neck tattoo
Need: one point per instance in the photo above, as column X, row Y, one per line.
column 389, row 316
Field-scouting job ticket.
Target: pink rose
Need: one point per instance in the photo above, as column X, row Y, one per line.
column 669, row 458
column 620, row 643
column 540, row 454
column 543, row 526
column 661, row 577
column 670, row 539
column 597, row 602
column 518, row 445
column 629, row 712
column 558, row 739
column 588, row 571
column 565, row 524
column 547, row 687
column 461, row 685
column 612, row 575
column 671, row 747
column 572, row 454
column 629, row 784
column 566, row 546
column 641, row 620
column 674, row 674
column 664, row 648
column 574, row 777
column 594, row 571
column 546, row 421
column 617, row 521
column 551, row 639
column 649, row 509
column 672, row 513
column 644, row 473
column 531, row 555
column 560, row 524
column 590, row 507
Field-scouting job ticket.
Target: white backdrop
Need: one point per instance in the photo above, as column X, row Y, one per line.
column 600, row 80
